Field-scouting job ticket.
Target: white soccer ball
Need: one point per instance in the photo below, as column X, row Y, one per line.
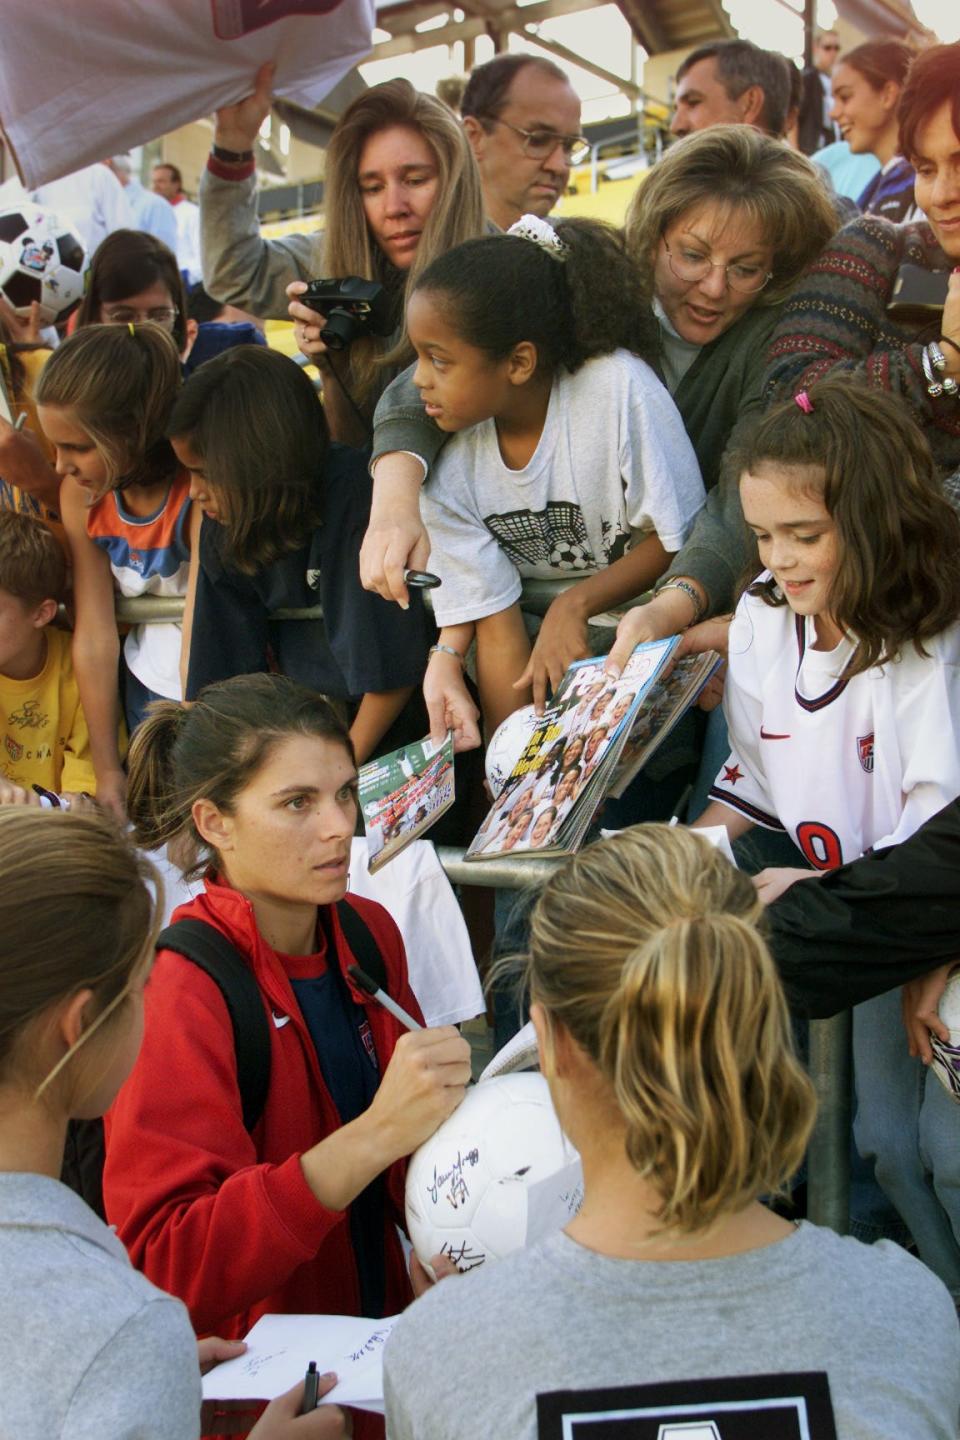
column 40, row 259
column 507, row 744
column 498, row 1175
column 946, row 1053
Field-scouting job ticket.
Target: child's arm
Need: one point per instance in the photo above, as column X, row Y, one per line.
column 563, row 634
column 96, row 647
column 23, row 463
column 449, row 703
column 733, row 821
column 396, row 538
column 376, row 713
column 503, row 650
column 190, row 599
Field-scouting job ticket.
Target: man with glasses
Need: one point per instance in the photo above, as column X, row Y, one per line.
column 522, row 117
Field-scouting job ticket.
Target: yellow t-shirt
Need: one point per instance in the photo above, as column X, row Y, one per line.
column 45, row 740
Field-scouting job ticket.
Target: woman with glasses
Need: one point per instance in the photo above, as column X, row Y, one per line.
column 400, row 188
column 719, row 230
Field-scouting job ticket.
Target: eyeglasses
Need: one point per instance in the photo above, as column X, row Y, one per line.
column 125, row 315
column 538, row 144
column 745, row 279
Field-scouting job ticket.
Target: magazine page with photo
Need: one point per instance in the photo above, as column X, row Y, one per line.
column 562, row 774
column 402, row 794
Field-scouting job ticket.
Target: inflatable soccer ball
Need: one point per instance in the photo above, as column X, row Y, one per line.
column 40, row 259
column 507, row 744
column 946, row 1053
column 498, row 1175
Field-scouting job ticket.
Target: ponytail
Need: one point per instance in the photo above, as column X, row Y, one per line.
column 647, row 949
column 501, row 290
column 76, row 913
column 120, row 382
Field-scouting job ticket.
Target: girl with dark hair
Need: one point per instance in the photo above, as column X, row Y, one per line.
column 284, row 515
column 104, row 399
column 569, row 457
column 842, row 702
column 867, row 83
column 255, row 784
column 134, row 277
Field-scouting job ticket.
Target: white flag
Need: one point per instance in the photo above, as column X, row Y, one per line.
column 81, row 80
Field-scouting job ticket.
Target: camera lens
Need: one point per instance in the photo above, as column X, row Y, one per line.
column 341, row 329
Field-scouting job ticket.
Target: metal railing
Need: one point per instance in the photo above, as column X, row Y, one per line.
column 828, row 1178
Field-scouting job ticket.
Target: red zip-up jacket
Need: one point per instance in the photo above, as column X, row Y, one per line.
column 217, row 1216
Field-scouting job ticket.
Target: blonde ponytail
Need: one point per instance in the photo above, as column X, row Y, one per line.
column 647, row 948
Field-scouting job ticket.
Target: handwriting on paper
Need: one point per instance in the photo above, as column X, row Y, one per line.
column 376, row 1342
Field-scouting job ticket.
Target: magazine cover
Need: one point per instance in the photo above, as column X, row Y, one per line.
column 663, row 706
column 402, row 794
column 554, row 789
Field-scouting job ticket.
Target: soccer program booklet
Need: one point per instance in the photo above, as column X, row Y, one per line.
column 402, row 794
column 595, row 735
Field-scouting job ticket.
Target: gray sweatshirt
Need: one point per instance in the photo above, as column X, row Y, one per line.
column 89, row 1349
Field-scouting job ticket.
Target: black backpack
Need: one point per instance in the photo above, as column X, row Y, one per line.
column 212, row 953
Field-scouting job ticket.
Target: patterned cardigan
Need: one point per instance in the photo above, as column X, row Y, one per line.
column 836, row 322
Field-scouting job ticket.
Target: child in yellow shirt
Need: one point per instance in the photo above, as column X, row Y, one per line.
column 43, row 733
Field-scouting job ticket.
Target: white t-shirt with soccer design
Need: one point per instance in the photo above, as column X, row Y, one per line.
column 613, row 465
column 844, row 766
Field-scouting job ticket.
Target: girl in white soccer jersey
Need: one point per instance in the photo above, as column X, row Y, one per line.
column 569, row 458
column 843, row 707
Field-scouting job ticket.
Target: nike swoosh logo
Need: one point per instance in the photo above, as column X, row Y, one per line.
column 765, row 735
column 281, row 1020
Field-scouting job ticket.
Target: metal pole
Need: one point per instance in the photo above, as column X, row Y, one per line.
column 828, row 1156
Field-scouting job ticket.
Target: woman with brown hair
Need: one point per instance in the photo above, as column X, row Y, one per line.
column 867, row 83
column 400, row 188
column 674, row 1298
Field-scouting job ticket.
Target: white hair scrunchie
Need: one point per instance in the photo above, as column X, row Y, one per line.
column 531, row 227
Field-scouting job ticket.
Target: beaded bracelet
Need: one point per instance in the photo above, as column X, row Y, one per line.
column 934, row 362
column 445, row 650
column 690, row 591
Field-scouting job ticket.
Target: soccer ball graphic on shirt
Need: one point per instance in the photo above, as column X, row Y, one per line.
column 499, row 1162
column 568, row 555
column 507, row 744
column 40, row 259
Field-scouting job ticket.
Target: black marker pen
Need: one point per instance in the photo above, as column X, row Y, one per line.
column 310, row 1382
column 422, row 579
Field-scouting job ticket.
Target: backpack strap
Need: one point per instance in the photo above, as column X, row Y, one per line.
column 359, row 938
column 211, row 952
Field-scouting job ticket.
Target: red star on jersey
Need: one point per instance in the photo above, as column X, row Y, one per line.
column 732, row 773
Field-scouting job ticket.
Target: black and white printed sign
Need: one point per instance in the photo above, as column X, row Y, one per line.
column 748, row 1407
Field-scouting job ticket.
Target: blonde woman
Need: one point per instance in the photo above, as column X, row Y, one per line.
column 674, row 1295
column 90, row 1348
column 400, row 188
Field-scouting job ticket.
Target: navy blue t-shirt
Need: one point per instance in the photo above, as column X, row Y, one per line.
column 343, row 1041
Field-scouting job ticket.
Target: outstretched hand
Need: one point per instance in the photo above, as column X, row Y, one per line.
column 237, row 126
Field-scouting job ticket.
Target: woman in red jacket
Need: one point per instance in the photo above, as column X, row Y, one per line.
column 254, row 785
